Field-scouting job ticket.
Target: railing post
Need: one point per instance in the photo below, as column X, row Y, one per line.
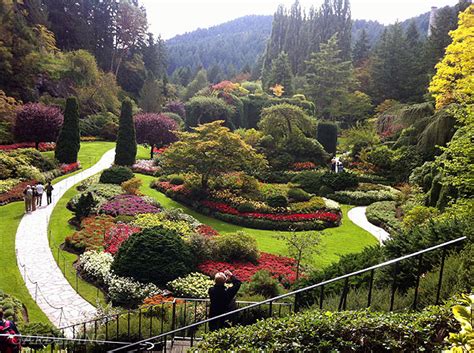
column 321, row 297
column 140, row 324
column 128, row 324
column 297, row 307
column 270, row 309
column 117, row 326
column 371, row 283
column 342, row 302
column 394, row 287
column 417, row 285
column 440, row 279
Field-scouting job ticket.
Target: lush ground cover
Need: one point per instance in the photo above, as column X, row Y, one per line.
column 347, row 238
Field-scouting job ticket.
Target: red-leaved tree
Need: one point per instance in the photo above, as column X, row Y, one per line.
column 37, row 123
column 155, row 130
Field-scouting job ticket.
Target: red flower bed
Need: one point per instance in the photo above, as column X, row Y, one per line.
column 303, row 166
column 91, row 235
column 166, row 185
column 43, row 146
column 115, row 236
column 69, row 168
column 15, row 193
column 159, row 151
column 207, row 231
column 295, row 217
column 282, row 268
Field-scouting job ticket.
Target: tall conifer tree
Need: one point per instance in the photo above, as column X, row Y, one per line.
column 69, row 141
column 126, row 149
column 281, row 74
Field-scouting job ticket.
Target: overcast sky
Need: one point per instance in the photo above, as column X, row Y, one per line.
column 172, row 17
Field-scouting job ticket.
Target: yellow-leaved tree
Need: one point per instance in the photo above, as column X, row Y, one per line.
column 454, row 79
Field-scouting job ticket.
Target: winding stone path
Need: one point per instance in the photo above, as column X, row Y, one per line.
column 43, row 278
column 358, row 217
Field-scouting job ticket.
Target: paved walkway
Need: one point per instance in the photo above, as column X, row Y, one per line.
column 44, row 280
column 357, row 215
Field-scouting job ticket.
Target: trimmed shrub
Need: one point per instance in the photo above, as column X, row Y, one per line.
column 201, row 110
column 312, row 181
column 126, row 149
column 132, row 186
column 235, row 247
column 277, row 201
column 327, row 136
column 262, row 283
column 246, row 207
column 154, row 255
column 298, row 195
column 176, row 180
column 383, row 214
column 102, row 125
column 356, row 331
column 69, row 141
column 116, row 175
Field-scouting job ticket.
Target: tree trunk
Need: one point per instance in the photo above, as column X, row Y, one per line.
column 37, row 145
column 151, row 152
column 204, row 181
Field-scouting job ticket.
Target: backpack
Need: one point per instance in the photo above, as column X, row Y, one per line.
column 7, row 344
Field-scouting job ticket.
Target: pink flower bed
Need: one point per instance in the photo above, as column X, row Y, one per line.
column 43, row 146
column 282, row 268
column 128, row 205
column 115, row 236
column 294, row 217
column 207, row 231
column 166, row 185
column 159, row 151
column 145, row 166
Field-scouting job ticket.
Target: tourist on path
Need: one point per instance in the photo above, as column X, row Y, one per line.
column 39, row 191
column 49, row 192
column 222, row 299
column 28, row 196
column 8, row 344
column 33, row 201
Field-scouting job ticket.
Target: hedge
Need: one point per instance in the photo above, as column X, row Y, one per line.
column 383, row 214
column 347, row 331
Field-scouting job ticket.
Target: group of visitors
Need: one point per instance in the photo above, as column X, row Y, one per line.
column 336, row 165
column 33, row 195
column 9, row 341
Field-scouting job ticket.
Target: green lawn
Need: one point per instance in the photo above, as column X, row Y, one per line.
column 11, row 281
column 348, row 238
column 143, row 152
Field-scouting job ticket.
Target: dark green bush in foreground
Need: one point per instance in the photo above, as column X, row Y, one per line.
column 116, row 175
column 349, row 331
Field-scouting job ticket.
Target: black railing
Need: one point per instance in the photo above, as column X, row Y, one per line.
column 151, row 320
column 194, row 331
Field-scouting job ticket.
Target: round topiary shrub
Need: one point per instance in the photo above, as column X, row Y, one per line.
column 277, row 201
column 177, row 180
column 262, row 283
column 154, row 255
column 235, row 247
column 298, row 194
column 116, row 175
column 246, row 207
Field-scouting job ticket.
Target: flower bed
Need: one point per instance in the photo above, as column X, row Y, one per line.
column 151, row 220
column 145, row 166
column 280, row 267
column 15, row 193
column 303, row 166
column 127, row 205
column 207, row 231
column 158, row 151
column 42, row 147
column 115, row 236
column 91, row 236
column 69, row 168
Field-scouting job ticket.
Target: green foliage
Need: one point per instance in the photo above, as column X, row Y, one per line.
column 364, row 198
column 199, row 82
column 327, row 136
column 418, row 215
column 194, row 285
column 464, row 340
column 154, row 255
column 262, row 283
column 151, row 98
column 283, row 120
column 126, row 149
column 281, row 74
column 312, row 181
column 277, row 201
column 69, row 143
column 384, row 214
column 202, row 110
column 318, row 331
column 360, row 137
column 235, row 247
column 116, row 175
column 100, row 193
column 104, row 125
column 85, row 205
column 298, row 195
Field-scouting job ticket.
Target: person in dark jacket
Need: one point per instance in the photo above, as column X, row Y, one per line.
column 222, row 298
column 8, row 343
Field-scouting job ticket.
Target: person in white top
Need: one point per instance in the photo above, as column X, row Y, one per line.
column 39, row 192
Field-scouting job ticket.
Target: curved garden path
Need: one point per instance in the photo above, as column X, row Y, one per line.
column 357, row 216
column 43, row 278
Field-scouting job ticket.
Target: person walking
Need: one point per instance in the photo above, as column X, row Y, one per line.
column 49, row 192
column 28, row 196
column 33, row 201
column 39, row 191
column 222, row 298
column 8, row 342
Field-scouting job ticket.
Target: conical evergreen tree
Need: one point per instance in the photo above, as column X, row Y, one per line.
column 361, row 49
column 126, row 149
column 69, row 141
column 281, row 73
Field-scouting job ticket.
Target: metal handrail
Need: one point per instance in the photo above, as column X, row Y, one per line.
column 295, row 292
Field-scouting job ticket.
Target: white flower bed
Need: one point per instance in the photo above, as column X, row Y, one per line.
column 97, row 265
